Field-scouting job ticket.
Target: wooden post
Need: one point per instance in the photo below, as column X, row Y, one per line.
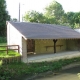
column 54, row 40
column 27, row 51
column 18, row 48
column 7, row 49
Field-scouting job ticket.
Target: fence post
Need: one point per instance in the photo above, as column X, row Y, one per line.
column 11, row 49
column 7, row 49
column 18, row 48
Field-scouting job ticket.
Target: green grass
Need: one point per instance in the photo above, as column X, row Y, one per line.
column 11, row 53
column 16, row 71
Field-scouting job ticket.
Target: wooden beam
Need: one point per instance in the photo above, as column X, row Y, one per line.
column 54, row 40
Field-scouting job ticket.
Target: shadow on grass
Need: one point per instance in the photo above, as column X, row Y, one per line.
column 11, row 53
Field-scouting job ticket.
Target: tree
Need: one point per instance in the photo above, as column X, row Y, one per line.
column 70, row 18
column 3, row 17
column 55, row 11
column 14, row 20
column 77, row 20
column 54, row 14
column 33, row 16
column 73, row 18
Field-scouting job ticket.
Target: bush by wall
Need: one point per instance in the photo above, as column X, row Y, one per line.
column 3, row 39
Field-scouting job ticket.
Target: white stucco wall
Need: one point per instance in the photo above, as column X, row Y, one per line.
column 14, row 37
column 24, row 50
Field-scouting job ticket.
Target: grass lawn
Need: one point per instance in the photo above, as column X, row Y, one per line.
column 11, row 53
column 22, row 71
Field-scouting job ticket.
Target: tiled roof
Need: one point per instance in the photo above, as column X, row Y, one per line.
column 45, row 31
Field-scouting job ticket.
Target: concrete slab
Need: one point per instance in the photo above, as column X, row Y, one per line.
column 52, row 56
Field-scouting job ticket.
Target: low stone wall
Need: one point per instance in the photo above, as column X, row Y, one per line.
column 7, row 60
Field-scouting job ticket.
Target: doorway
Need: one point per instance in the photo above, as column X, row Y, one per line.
column 30, row 45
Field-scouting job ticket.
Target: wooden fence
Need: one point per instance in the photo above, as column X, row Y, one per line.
column 8, row 48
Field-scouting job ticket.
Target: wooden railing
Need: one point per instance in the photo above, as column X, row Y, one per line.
column 53, row 46
column 10, row 48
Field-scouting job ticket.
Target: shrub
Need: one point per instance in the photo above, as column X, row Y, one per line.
column 5, row 74
column 1, row 62
column 3, row 39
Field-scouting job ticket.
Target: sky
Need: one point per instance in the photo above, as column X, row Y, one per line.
column 38, row 5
